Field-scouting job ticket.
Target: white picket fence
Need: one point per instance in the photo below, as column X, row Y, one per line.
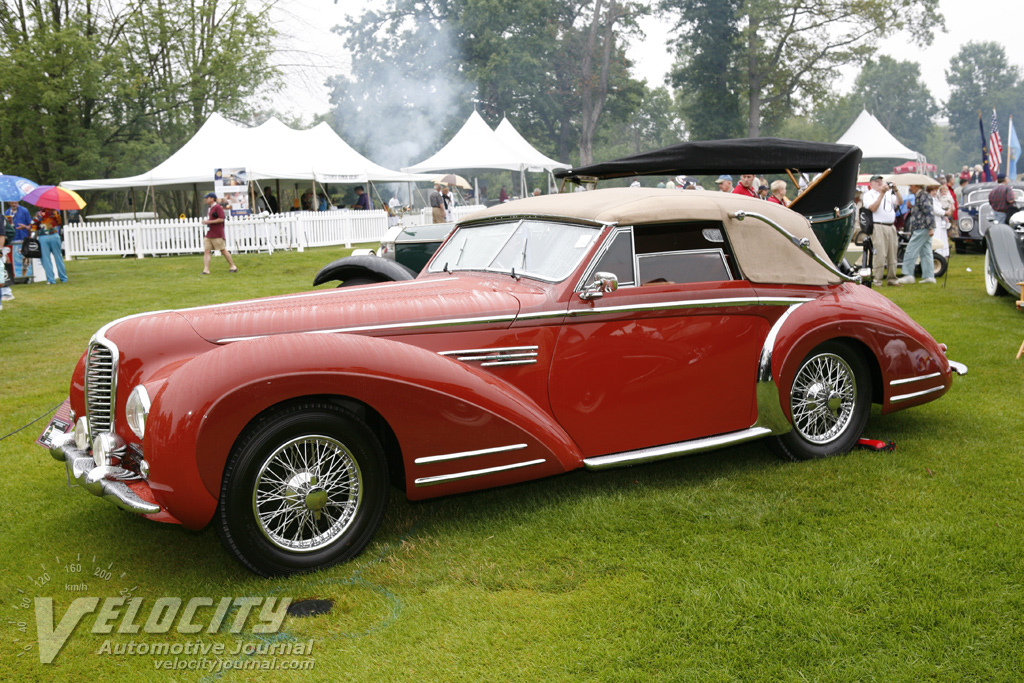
column 295, row 230
column 249, row 234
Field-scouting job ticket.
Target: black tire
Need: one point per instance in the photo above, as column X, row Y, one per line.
column 830, row 401
column 287, row 478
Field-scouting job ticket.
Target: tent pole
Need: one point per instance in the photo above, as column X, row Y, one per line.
column 278, row 183
column 135, row 210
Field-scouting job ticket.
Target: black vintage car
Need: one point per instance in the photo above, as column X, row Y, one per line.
column 974, row 213
column 1004, row 256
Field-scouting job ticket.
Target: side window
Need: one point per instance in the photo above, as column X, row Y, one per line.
column 678, row 253
column 618, row 259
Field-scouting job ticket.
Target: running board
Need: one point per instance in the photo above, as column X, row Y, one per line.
column 672, row 450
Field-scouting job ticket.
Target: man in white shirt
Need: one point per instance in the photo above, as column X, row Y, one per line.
column 881, row 200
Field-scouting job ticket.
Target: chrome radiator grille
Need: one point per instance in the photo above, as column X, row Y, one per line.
column 100, row 382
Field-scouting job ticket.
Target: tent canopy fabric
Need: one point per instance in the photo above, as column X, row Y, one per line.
column 271, row 150
column 534, row 160
column 874, row 140
column 476, row 146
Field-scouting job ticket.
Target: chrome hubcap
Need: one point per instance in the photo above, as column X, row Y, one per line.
column 307, row 493
column 824, row 396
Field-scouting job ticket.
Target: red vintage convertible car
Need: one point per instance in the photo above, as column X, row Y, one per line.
column 592, row 329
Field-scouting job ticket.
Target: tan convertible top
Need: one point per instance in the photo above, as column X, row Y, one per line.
column 764, row 255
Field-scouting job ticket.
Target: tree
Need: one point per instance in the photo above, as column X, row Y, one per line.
column 93, row 89
column 789, row 51
column 980, row 78
column 894, row 93
column 704, row 73
column 423, row 66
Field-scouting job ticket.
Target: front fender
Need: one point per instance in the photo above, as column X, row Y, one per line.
column 440, row 410
column 373, row 268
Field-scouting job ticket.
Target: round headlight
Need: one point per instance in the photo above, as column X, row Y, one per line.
column 82, row 434
column 136, row 410
column 104, row 447
column 966, row 224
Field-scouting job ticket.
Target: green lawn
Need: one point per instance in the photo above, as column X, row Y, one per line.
column 895, row 566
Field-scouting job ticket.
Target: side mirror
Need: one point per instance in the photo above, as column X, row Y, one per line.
column 603, row 282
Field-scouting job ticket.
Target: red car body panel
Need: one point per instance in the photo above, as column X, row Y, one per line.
column 638, row 367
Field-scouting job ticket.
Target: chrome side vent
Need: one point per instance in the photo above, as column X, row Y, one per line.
column 100, row 383
column 510, row 355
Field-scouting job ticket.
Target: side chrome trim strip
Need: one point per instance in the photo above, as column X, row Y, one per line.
column 916, row 394
column 769, row 407
column 643, row 455
column 692, row 303
column 468, row 454
column 666, row 305
column 897, row 382
column 445, row 478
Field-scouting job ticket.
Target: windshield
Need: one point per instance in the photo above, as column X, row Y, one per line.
column 530, row 248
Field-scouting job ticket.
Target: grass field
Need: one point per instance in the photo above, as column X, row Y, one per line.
column 732, row 565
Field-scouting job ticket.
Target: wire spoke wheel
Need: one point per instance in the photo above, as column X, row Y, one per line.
column 829, row 402
column 305, row 487
column 823, row 399
column 307, row 493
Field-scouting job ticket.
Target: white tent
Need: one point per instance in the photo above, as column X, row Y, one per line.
column 875, row 141
column 534, row 160
column 269, row 151
column 476, row 146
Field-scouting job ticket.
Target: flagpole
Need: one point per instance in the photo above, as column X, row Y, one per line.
column 1008, row 129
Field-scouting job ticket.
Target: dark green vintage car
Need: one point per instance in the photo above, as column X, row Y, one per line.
column 403, row 252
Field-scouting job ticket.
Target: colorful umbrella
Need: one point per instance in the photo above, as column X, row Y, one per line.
column 13, row 188
column 53, row 197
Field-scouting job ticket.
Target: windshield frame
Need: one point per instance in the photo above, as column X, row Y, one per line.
column 436, row 266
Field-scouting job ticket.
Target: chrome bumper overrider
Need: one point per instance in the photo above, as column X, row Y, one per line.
column 958, row 368
column 106, row 482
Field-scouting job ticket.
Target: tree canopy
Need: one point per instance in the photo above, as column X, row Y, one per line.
column 99, row 89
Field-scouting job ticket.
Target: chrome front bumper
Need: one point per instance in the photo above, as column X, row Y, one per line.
column 106, row 482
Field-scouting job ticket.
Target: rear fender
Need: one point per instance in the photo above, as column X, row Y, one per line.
column 895, row 347
column 456, row 417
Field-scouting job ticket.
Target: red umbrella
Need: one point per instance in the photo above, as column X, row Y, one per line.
column 53, row 197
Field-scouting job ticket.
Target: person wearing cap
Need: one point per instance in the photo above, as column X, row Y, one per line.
column 724, row 183
column 214, row 238
column 881, row 199
column 1001, row 200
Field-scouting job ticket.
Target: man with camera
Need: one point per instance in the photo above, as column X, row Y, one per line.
column 881, row 200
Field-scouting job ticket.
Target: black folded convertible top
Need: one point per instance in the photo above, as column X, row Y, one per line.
column 749, row 155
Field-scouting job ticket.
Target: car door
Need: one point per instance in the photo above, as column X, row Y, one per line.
column 669, row 356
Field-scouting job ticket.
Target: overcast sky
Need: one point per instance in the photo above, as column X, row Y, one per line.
column 311, row 52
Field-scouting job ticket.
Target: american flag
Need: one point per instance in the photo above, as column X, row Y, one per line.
column 995, row 145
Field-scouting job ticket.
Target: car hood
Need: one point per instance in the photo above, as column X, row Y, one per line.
column 386, row 308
